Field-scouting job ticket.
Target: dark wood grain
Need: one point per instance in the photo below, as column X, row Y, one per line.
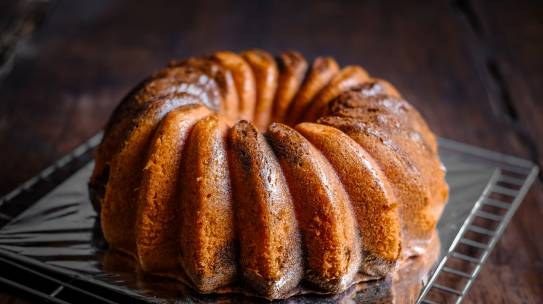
column 509, row 37
column 474, row 69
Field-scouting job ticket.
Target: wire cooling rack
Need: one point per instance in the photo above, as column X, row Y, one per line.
column 489, row 212
column 459, row 267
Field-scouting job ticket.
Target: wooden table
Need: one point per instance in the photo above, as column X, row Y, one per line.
column 473, row 68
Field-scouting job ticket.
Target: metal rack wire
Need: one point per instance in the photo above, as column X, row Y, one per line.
column 450, row 282
column 44, row 286
column 458, row 269
column 39, row 281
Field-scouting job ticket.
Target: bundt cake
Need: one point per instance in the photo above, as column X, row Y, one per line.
column 268, row 176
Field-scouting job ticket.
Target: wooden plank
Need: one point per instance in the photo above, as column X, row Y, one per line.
column 87, row 55
column 509, row 35
column 513, row 34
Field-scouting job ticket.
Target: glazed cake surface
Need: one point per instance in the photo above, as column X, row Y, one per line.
column 267, row 175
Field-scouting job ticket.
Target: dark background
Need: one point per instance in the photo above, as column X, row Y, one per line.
column 473, row 68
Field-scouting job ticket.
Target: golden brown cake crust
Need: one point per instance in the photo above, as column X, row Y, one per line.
column 159, row 86
column 327, row 223
column 266, row 78
column 322, row 71
column 358, row 102
column 199, row 180
column 349, row 77
column 406, row 128
column 228, row 102
column 207, row 242
column 119, row 207
column 292, row 68
column 270, row 244
column 178, row 78
column 158, row 211
column 244, row 80
column 413, row 194
column 372, row 197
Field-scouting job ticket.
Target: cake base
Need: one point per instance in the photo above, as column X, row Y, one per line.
column 403, row 285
